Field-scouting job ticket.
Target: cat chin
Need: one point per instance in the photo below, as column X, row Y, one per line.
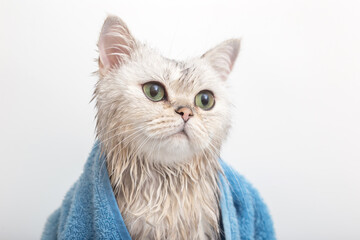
column 175, row 149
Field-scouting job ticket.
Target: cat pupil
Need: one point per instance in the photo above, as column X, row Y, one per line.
column 154, row 90
column 204, row 99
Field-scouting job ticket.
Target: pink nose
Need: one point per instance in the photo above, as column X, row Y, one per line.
column 185, row 113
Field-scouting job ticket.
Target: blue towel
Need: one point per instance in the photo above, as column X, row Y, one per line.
column 90, row 211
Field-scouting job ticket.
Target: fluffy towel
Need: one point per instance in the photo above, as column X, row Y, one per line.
column 90, row 211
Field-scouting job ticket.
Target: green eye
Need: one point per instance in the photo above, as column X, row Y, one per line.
column 154, row 91
column 205, row 100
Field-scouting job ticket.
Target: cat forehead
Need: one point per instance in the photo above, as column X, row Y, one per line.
column 189, row 78
column 183, row 76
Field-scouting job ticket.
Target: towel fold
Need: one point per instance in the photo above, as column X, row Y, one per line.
column 90, row 211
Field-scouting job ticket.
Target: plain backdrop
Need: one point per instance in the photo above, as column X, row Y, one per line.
column 295, row 87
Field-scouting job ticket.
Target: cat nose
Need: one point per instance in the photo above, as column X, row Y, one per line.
column 185, row 113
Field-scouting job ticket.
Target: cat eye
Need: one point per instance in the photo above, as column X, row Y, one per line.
column 205, row 100
column 154, row 91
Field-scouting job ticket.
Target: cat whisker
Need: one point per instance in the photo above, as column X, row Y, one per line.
column 105, row 141
column 114, row 129
column 113, row 160
column 120, row 142
column 127, row 137
column 120, row 133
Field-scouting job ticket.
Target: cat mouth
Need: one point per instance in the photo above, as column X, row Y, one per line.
column 181, row 133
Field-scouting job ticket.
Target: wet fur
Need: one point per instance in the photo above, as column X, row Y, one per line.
column 165, row 181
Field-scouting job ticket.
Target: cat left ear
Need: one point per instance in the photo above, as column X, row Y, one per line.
column 115, row 44
column 223, row 56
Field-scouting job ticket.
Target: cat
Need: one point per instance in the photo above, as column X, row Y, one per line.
column 161, row 123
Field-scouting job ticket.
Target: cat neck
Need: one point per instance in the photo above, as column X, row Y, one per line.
column 131, row 172
column 179, row 195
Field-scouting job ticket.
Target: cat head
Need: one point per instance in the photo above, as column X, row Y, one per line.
column 164, row 110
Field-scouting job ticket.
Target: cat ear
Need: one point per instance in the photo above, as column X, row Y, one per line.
column 223, row 56
column 115, row 43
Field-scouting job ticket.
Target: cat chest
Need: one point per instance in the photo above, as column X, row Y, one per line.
column 166, row 214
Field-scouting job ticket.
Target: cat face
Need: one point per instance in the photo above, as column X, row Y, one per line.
column 164, row 110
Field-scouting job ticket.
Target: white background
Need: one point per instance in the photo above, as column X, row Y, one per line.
column 296, row 88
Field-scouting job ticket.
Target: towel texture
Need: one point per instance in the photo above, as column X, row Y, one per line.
column 90, row 211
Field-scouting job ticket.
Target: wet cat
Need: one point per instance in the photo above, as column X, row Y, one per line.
column 161, row 123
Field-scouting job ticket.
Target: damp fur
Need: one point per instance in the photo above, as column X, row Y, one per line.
column 163, row 171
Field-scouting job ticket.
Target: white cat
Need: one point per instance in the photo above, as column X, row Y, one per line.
column 161, row 123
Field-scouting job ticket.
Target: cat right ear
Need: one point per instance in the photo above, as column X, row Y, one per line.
column 115, row 44
column 223, row 56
